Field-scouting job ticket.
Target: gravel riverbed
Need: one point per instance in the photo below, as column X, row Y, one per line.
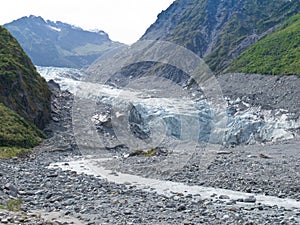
column 93, row 200
column 271, row 169
column 54, row 196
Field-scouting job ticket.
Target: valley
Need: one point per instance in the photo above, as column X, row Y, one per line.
column 198, row 122
column 101, row 183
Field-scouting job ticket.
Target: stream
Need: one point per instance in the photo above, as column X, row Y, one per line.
column 180, row 117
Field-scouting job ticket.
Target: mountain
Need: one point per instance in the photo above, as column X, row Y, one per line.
column 220, row 30
column 277, row 53
column 15, row 131
column 59, row 44
column 22, row 89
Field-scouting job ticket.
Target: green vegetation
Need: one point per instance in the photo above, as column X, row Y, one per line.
column 240, row 21
column 11, row 152
column 13, row 205
column 150, row 153
column 16, row 134
column 277, row 53
column 24, row 100
column 22, row 89
column 142, row 153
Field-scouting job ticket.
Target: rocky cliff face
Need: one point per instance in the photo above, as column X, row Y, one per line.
column 59, row 44
column 22, row 89
column 220, row 30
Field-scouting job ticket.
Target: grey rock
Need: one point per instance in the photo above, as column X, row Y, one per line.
column 224, row 197
column 181, row 208
column 127, row 212
column 4, row 220
column 68, row 202
column 250, row 199
column 11, row 187
column 52, row 175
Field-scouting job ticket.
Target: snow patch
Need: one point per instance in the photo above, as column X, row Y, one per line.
column 54, row 28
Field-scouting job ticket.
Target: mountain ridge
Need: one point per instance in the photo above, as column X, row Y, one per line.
column 218, row 30
column 59, row 44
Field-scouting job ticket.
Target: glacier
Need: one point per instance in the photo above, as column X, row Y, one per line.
column 149, row 116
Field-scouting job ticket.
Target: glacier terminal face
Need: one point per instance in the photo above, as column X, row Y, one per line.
column 149, row 116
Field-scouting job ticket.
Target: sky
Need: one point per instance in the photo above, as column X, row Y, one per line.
column 124, row 20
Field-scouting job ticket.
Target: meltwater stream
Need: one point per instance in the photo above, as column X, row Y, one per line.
column 243, row 127
column 91, row 167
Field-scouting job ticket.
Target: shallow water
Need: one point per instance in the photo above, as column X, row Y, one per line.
column 91, row 167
